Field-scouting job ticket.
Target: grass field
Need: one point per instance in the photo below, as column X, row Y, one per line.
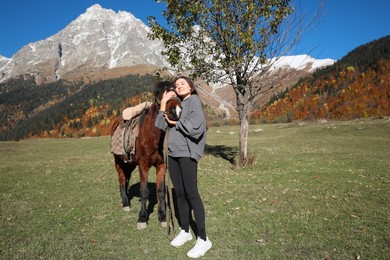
column 316, row 190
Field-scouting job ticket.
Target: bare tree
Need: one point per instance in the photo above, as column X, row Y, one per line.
column 233, row 42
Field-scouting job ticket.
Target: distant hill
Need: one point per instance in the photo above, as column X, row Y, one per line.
column 67, row 109
column 76, row 82
column 357, row 86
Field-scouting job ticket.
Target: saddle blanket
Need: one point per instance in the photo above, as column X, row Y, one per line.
column 123, row 139
column 117, row 140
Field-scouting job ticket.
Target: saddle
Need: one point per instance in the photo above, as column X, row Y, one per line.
column 125, row 135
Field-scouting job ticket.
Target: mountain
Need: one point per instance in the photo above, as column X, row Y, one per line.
column 76, row 81
column 103, row 44
column 357, row 86
column 292, row 67
column 302, row 62
column 65, row 109
column 97, row 40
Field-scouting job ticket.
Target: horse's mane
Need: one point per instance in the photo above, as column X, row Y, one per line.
column 143, row 115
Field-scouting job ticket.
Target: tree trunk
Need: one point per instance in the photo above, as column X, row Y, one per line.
column 244, row 130
column 243, row 109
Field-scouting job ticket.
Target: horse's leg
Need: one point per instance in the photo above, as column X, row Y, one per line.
column 124, row 173
column 144, row 194
column 160, row 190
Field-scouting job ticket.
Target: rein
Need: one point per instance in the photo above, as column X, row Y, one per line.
column 169, row 185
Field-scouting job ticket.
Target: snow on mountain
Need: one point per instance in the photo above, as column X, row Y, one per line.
column 98, row 39
column 102, row 39
column 4, row 60
column 301, row 62
column 297, row 62
column 4, row 66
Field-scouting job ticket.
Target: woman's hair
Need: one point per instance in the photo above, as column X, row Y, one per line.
column 190, row 83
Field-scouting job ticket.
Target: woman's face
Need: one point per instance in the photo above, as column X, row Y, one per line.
column 183, row 90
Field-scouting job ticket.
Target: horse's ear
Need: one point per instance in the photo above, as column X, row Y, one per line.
column 168, row 85
column 171, row 86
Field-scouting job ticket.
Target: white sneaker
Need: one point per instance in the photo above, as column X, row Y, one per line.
column 200, row 248
column 181, row 238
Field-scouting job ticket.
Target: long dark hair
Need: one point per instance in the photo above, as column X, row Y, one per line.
column 190, row 83
column 193, row 89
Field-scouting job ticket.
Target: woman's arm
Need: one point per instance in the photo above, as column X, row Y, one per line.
column 160, row 121
column 192, row 122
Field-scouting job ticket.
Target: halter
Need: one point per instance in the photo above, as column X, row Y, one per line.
column 173, row 98
column 157, row 100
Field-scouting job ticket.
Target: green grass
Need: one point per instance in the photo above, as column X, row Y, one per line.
column 315, row 191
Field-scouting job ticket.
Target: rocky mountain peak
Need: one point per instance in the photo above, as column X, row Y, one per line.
column 98, row 39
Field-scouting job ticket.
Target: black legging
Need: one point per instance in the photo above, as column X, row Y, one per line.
column 184, row 175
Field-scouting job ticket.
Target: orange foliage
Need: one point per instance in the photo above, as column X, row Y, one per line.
column 349, row 95
column 98, row 114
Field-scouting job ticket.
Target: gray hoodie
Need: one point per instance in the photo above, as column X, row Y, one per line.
column 188, row 137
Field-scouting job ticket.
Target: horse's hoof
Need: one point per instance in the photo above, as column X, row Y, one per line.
column 126, row 209
column 141, row 225
column 163, row 224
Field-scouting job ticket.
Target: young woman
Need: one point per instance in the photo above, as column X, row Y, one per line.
column 187, row 138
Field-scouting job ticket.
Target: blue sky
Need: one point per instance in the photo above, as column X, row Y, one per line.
column 346, row 25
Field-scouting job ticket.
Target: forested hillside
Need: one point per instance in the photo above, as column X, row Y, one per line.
column 64, row 109
column 357, row 86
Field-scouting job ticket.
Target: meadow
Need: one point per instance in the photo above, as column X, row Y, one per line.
column 315, row 191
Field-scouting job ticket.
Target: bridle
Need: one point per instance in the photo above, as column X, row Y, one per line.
column 168, row 183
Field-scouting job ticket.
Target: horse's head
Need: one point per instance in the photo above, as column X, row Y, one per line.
column 160, row 88
column 173, row 106
column 173, row 109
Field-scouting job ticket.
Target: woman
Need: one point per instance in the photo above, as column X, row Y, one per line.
column 187, row 138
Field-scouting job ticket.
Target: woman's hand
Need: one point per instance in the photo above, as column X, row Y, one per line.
column 166, row 96
column 170, row 122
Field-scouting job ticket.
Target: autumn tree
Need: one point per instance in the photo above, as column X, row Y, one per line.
column 233, row 42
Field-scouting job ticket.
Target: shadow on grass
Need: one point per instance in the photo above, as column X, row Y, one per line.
column 225, row 152
column 134, row 191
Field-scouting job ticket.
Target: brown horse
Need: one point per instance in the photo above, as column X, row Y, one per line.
column 148, row 153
